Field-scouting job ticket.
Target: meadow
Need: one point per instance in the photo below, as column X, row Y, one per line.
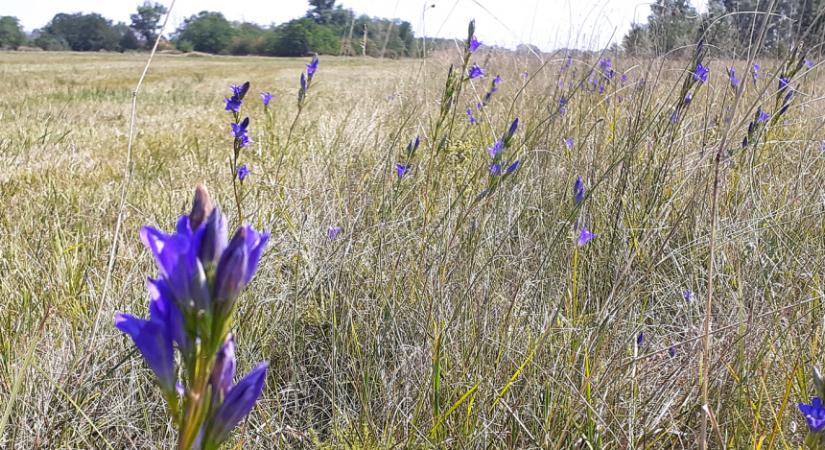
column 455, row 308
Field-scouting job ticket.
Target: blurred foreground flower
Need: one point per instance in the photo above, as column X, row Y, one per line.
column 191, row 309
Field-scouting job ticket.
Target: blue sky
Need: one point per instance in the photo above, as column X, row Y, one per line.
column 547, row 23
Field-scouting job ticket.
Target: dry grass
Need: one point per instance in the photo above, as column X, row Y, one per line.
column 534, row 339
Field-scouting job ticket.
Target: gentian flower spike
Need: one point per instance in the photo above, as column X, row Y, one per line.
column 475, row 71
column 585, row 236
column 578, row 190
column 814, row 415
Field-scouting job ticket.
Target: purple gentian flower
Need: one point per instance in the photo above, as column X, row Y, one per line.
column 239, row 401
column 623, row 78
column 512, row 167
column 762, row 116
column 473, row 45
column 303, row 82
column 495, row 149
column 734, row 82
column 266, row 97
column 755, row 72
column 495, row 169
column 688, row 98
column 814, row 415
column 234, row 103
column 333, row 232
column 674, row 117
column 237, row 265
column 525, row 75
column 640, row 338
column 562, row 104
column 567, row 63
column 243, row 171
column 312, row 66
column 585, row 236
column 224, row 370
column 153, row 340
column 401, row 170
column 513, row 128
column 470, row 116
column 496, row 81
column 808, row 63
column 688, row 295
column 672, row 351
column 783, row 84
column 475, row 71
column 578, row 190
column 240, row 132
column 701, row 73
column 569, row 142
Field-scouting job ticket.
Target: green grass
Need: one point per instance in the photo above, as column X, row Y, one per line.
column 437, row 319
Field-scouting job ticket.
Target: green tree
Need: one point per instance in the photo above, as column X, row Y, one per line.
column 321, row 10
column 671, row 25
column 636, row 42
column 146, row 22
column 82, row 32
column 128, row 40
column 207, row 32
column 11, row 34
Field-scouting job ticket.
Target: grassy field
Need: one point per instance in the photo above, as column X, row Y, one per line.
column 438, row 318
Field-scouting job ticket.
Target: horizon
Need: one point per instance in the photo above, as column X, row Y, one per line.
column 548, row 25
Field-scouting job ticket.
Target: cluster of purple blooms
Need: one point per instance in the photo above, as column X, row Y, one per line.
column 498, row 166
column 306, row 80
column 191, row 308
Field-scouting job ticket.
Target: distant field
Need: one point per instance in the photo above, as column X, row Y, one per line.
column 536, row 339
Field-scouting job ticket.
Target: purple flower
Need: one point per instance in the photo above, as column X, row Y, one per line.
column 755, row 72
column 688, row 98
column 495, row 169
column 822, row 147
column 734, row 82
column 470, row 116
column 475, row 71
column 512, row 167
column 567, row 63
column 814, row 414
column 234, row 102
column 303, row 83
column 513, row 128
column 333, row 232
column 640, row 338
column 525, row 75
column 672, row 351
column 495, row 149
column 569, row 142
column 266, row 97
column 606, row 64
column 243, row 171
column 688, row 295
column 762, row 116
column 312, row 66
column 585, row 236
column 701, row 73
column 401, row 170
column 238, row 402
column 473, row 45
column 224, row 370
column 153, row 340
column 578, row 190
column 236, row 266
column 623, row 78
column 496, row 81
column 783, row 84
column 562, row 104
column 240, row 132
column 808, row 63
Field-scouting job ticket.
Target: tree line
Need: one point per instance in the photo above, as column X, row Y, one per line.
column 729, row 26
column 326, row 28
